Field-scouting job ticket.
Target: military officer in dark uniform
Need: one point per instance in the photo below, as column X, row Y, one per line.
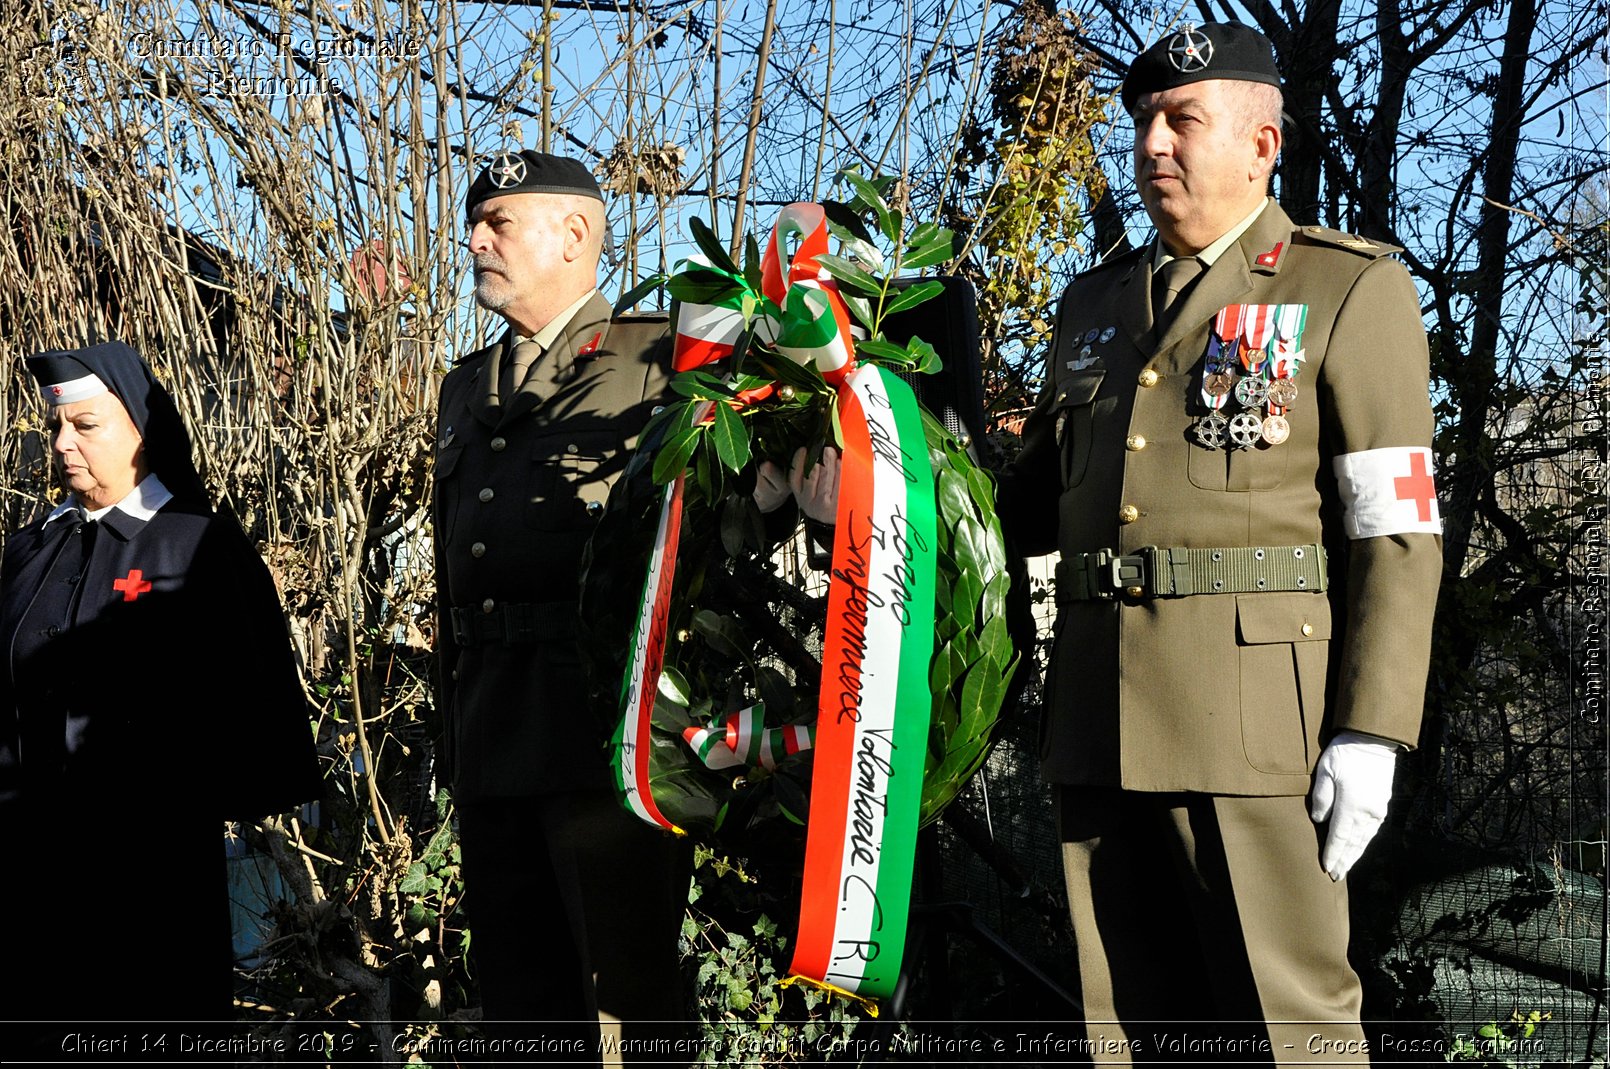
column 575, row 906
column 1236, row 417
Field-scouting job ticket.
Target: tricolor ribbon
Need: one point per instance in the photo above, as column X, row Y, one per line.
column 1290, row 321
column 706, row 333
column 872, row 721
column 631, row 739
column 816, row 321
column 744, row 741
column 874, row 707
column 1257, row 326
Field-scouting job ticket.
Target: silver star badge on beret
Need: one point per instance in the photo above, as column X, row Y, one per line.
column 1190, row 50
column 507, row 170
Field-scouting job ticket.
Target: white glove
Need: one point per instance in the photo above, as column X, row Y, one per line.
column 771, row 487
column 818, row 491
column 1352, row 787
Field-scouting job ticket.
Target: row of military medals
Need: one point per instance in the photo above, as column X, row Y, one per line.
column 1253, row 357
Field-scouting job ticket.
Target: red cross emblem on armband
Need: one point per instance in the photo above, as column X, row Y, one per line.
column 132, row 585
column 1417, row 486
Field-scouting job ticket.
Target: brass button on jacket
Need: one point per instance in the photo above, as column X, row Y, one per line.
column 1128, row 514
column 1135, row 443
column 1149, row 378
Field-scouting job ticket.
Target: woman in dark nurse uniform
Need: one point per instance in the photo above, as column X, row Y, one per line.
column 150, row 694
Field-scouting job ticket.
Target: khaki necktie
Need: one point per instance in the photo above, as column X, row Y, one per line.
column 525, row 354
column 1175, row 277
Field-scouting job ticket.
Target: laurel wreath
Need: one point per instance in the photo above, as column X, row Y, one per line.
column 741, row 631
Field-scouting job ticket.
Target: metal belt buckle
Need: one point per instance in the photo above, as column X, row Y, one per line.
column 1127, row 572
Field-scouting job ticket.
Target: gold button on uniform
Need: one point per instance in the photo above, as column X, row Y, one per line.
column 1308, row 629
column 1135, row 443
column 571, row 448
column 478, row 549
column 1148, row 378
column 488, row 605
column 485, row 494
column 499, row 444
column 1128, row 514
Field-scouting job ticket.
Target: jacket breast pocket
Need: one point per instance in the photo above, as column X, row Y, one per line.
column 446, row 481
column 1074, row 414
column 1261, row 467
column 571, row 475
column 1282, row 645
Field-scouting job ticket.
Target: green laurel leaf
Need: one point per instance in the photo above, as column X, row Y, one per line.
column 730, row 436
column 930, row 252
column 711, row 246
column 630, row 298
column 849, row 273
column 672, row 459
column 700, row 285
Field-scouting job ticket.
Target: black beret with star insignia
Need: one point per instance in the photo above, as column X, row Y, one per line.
column 529, row 171
column 1198, row 53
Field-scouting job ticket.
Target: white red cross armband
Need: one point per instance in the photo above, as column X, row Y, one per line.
column 1388, row 491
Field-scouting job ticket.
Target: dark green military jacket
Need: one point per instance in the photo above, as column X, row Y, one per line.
column 518, row 490
column 1234, row 693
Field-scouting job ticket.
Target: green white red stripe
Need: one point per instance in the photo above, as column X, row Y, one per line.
column 631, row 744
column 872, row 722
column 706, row 333
column 742, row 740
column 802, row 280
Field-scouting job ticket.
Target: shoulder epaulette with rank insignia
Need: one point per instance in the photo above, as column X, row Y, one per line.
column 1341, row 239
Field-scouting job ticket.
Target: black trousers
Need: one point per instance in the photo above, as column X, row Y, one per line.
column 575, row 908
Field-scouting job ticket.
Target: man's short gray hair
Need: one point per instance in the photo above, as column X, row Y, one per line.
column 1256, row 104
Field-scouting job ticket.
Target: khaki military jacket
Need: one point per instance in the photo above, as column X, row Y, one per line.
column 1228, row 693
column 518, row 490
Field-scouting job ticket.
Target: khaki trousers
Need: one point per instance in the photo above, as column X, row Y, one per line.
column 1206, row 930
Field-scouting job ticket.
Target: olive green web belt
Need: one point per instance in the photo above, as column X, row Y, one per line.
column 1153, row 572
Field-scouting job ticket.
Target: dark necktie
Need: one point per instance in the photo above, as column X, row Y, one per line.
column 1174, row 278
column 525, row 354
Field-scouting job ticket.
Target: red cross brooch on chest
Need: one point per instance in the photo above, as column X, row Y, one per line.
column 132, row 585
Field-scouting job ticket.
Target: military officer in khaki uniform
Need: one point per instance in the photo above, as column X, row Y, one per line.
column 575, row 907
column 1236, row 417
